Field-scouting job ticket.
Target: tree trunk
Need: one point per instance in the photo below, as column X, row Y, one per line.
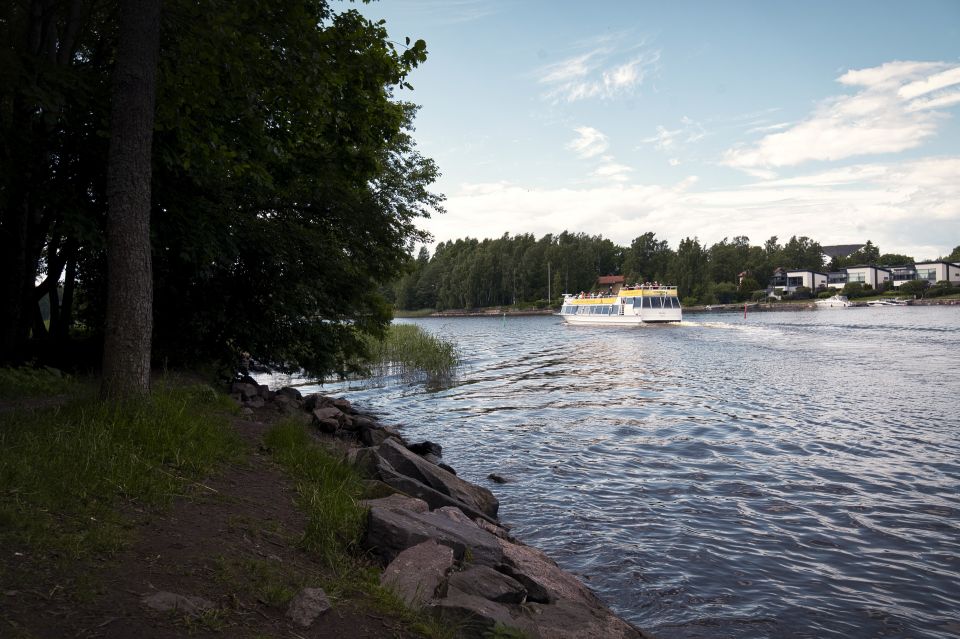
column 129, row 320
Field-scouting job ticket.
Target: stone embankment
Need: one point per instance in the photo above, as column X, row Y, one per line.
column 439, row 540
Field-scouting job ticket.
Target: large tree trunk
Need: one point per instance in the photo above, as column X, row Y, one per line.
column 129, row 321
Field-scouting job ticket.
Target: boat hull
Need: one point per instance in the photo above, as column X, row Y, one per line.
column 622, row 320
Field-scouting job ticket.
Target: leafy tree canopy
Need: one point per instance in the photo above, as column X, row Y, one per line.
column 286, row 183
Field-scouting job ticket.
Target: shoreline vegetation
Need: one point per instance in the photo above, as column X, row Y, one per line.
column 792, row 305
column 191, row 512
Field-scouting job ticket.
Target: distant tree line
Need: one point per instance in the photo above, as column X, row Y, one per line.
column 285, row 183
column 523, row 270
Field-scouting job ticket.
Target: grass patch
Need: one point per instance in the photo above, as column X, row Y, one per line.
column 328, row 489
column 16, row 383
column 413, row 353
column 329, row 492
column 66, row 472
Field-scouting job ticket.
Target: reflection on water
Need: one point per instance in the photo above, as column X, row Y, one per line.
column 784, row 475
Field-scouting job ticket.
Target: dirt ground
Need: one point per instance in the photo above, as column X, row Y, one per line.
column 232, row 541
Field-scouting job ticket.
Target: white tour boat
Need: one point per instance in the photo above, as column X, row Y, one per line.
column 837, row 301
column 644, row 304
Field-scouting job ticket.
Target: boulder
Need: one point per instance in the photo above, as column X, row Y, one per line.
column 434, row 498
column 254, row 402
column 316, row 400
column 391, row 531
column 289, row 392
column 307, row 606
column 344, row 405
column 544, row 580
column 576, row 620
column 327, row 419
column 426, row 448
column 476, row 617
column 397, row 501
column 245, row 390
column 418, row 573
column 484, row 581
column 375, row 435
column 415, row 467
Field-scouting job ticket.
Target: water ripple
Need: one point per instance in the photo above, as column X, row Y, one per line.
column 781, row 476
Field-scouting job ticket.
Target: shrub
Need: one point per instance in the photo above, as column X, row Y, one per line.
column 915, row 287
column 758, row 296
column 854, row 290
column 941, row 288
column 802, row 293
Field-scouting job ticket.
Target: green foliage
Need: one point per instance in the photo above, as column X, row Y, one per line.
column 915, row 287
column 854, row 290
column 329, row 491
column 941, row 288
column 954, row 255
column 66, row 471
column 895, row 259
column 802, row 293
column 23, row 382
column 287, row 186
column 725, row 292
column 412, row 352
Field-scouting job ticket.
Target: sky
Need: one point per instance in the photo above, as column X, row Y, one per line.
column 836, row 120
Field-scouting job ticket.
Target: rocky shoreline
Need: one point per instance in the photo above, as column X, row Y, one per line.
column 438, row 538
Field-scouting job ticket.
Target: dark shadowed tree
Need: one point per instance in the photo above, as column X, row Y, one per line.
column 129, row 312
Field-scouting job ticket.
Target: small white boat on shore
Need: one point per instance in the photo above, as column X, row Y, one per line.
column 644, row 304
column 891, row 302
column 837, row 301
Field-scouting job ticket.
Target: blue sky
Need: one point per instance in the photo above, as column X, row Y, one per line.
column 835, row 120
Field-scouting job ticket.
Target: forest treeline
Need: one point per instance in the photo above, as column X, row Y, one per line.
column 285, row 183
column 524, row 270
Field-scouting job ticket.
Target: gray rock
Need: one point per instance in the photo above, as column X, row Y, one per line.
column 544, row 580
column 327, row 419
column 246, row 391
column 289, row 392
column 456, row 514
column 375, row 435
column 434, row 498
column 476, row 617
column 576, row 620
column 344, row 405
column 255, row 402
column 391, row 531
column 415, row 467
column 419, row 572
column 484, row 581
column 397, row 502
column 307, row 606
column 186, row 604
column 494, row 529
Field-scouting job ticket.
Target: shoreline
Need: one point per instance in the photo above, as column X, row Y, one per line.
column 764, row 307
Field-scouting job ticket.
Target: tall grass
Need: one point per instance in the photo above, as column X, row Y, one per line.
column 17, row 383
column 329, row 491
column 67, row 472
column 413, row 353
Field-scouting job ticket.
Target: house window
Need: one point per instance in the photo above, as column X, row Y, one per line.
column 856, row 277
column 927, row 274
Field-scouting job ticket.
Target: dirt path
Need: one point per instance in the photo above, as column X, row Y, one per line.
column 232, row 541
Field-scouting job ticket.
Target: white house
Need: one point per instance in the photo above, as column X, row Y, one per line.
column 784, row 281
column 932, row 272
column 874, row 276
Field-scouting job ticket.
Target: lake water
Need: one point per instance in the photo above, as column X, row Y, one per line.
column 784, row 475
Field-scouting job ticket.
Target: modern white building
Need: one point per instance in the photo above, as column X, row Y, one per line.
column 932, row 272
column 874, row 276
column 784, row 281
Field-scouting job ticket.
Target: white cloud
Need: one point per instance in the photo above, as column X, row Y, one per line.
column 612, row 170
column 590, row 142
column 909, row 207
column 598, row 73
column 886, row 116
